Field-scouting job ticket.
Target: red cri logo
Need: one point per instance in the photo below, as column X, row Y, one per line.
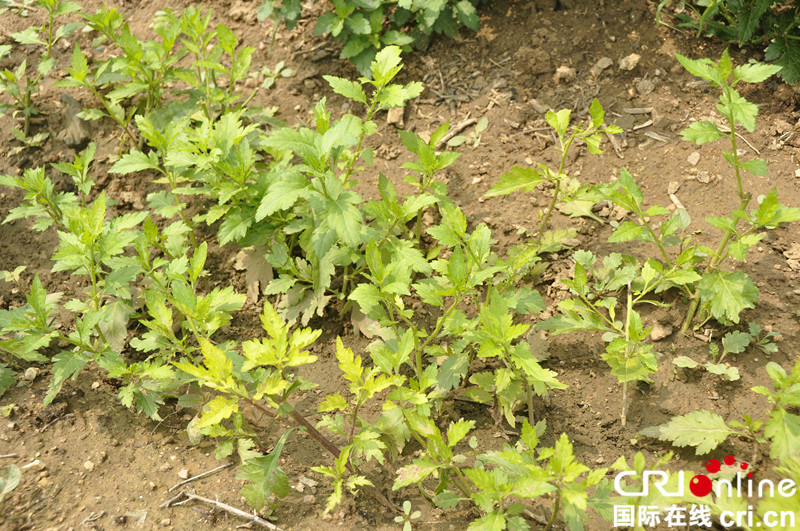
column 700, row 485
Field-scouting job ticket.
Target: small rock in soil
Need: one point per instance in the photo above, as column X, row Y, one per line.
column 673, row 187
column 35, row 465
column 395, row 117
column 183, row 473
column 629, row 63
column 660, row 332
column 704, row 177
column 693, row 158
column 89, row 466
column 533, row 61
column 540, row 107
column 645, row 87
column 600, row 65
column 564, row 73
column 166, row 522
column 31, row 373
column 308, row 499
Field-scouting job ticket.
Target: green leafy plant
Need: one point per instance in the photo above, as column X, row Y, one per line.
column 734, row 342
column 725, row 294
column 408, row 517
column 121, row 277
column 500, row 480
column 19, row 83
column 758, row 22
column 706, row 430
column 697, row 269
column 595, row 309
column 362, row 26
column 568, row 194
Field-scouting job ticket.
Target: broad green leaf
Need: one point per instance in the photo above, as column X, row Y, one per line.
column 743, row 111
column 755, row 72
column 783, row 429
column 219, row 409
column 702, row 429
column 266, row 476
column 627, row 231
column 458, row 430
column 348, row 89
column 702, row 132
column 702, row 68
column 685, row 361
column 735, row 342
column 558, row 121
column 727, row 294
column 518, row 178
column 755, row 166
column 135, row 161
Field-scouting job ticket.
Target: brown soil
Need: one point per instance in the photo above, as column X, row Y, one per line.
column 102, row 466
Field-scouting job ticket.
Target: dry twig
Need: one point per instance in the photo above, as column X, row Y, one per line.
column 198, row 476
column 172, row 502
column 455, row 130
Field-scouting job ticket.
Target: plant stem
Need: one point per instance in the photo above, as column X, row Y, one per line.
column 529, row 390
column 629, row 311
column 715, row 261
column 557, row 192
column 556, row 508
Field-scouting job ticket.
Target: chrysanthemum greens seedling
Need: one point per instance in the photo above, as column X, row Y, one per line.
column 573, row 198
column 19, row 83
column 725, row 294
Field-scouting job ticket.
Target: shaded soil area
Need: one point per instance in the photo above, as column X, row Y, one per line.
column 89, row 462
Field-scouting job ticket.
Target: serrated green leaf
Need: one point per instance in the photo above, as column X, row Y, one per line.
column 135, row 161
column 727, row 294
column 347, row 88
column 702, row 132
column 783, row 429
column 735, row 342
column 702, row 429
column 518, row 178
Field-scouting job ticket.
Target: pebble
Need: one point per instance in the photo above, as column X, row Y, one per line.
column 35, row 465
column 183, row 473
column 600, row 65
column 166, row 522
column 564, row 73
column 673, row 187
column 89, row 466
column 309, row 499
column 95, row 385
column 395, row 117
column 629, row 62
column 660, row 332
column 645, row 87
column 693, row 158
column 31, row 373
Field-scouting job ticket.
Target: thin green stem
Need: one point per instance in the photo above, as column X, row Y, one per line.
column 557, row 191
column 556, row 508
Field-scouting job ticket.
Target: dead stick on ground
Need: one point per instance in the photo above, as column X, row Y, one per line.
column 204, row 474
column 56, row 420
column 8, row 456
column 455, row 130
column 615, row 144
column 219, row 505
